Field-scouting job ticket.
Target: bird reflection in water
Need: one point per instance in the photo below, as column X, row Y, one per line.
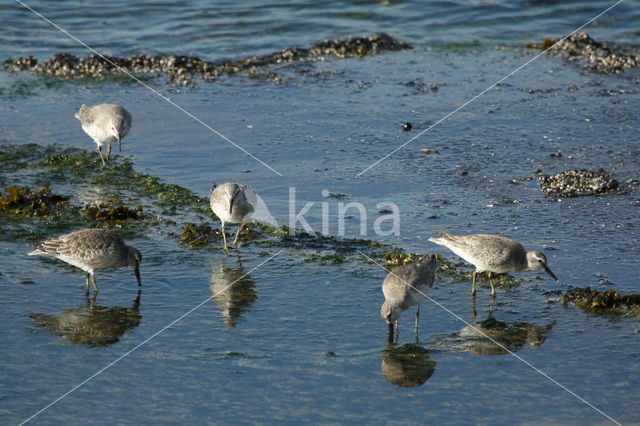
column 233, row 290
column 406, row 366
column 493, row 337
column 92, row 325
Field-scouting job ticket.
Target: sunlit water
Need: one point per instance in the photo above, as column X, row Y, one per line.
column 264, row 352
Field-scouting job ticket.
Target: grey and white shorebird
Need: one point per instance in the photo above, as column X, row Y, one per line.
column 105, row 123
column 493, row 253
column 91, row 249
column 406, row 286
column 233, row 203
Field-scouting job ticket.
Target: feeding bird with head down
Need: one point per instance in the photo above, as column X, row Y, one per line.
column 105, row 123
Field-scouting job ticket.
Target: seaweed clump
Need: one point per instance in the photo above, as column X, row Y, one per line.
column 581, row 182
column 39, row 202
column 601, row 58
column 117, row 213
column 601, row 301
column 182, row 69
column 199, row 236
column 546, row 44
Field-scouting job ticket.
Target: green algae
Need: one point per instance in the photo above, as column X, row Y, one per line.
column 72, row 160
column 327, row 259
column 324, row 242
column 17, row 157
column 67, row 164
column 73, row 170
column 135, row 202
column 278, row 231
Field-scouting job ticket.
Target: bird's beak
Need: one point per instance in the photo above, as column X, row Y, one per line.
column 119, row 146
column 137, row 272
column 548, row 271
column 231, row 201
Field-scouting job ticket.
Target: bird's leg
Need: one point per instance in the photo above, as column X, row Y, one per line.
column 397, row 331
column 473, row 286
column 108, row 150
column 473, row 307
column 493, row 290
column 224, row 237
column 390, row 337
column 87, row 285
column 235, row 242
column 104, row 163
column 417, row 316
column 93, row 281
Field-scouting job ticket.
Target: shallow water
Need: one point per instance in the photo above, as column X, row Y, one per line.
column 266, row 352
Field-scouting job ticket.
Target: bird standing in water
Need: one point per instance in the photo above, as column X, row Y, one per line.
column 493, row 253
column 233, row 203
column 91, row 249
column 406, row 286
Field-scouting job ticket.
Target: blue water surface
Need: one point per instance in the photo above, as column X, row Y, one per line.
column 303, row 342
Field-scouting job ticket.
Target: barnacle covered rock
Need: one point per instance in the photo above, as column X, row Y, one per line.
column 574, row 183
column 597, row 56
column 399, row 258
column 182, row 69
